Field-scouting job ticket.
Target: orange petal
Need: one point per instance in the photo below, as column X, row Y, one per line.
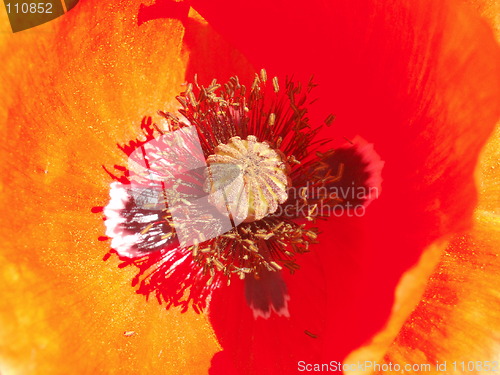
column 76, row 87
column 489, row 9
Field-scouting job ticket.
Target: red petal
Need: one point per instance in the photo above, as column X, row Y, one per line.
column 420, row 80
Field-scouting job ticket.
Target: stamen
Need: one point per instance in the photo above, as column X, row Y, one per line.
column 261, row 169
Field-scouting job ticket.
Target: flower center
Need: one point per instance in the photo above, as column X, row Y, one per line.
column 247, row 178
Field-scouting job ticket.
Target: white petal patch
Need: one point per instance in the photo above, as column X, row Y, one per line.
column 374, row 166
column 134, row 221
column 122, row 242
column 360, row 182
column 267, row 294
column 283, row 311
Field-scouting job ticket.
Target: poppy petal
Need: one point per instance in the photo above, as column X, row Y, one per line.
column 76, row 87
column 453, row 327
column 400, row 76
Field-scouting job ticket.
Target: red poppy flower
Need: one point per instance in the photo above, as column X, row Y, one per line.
column 418, row 80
